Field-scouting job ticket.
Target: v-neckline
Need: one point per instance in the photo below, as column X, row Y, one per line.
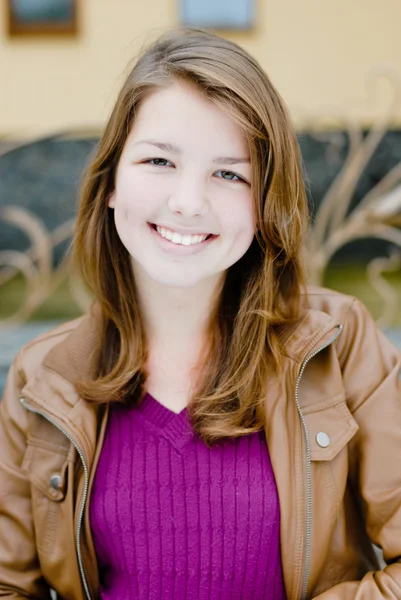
column 171, row 425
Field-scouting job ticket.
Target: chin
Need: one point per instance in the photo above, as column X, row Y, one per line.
column 177, row 282
column 178, row 277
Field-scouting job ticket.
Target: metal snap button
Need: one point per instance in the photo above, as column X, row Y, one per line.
column 323, row 439
column 55, row 482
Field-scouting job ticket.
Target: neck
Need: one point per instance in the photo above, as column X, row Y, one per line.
column 176, row 318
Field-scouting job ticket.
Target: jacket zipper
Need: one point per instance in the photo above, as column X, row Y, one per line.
column 308, row 462
column 85, row 494
column 308, row 474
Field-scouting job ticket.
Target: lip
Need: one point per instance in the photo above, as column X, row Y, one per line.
column 178, row 249
column 184, row 231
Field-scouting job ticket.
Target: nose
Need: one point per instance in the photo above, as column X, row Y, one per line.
column 190, row 196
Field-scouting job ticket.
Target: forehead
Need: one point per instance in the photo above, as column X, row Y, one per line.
column 180, row 113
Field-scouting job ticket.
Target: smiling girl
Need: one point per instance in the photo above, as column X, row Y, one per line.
column 212, row 428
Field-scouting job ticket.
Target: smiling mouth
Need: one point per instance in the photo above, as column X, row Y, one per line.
column 205, row 240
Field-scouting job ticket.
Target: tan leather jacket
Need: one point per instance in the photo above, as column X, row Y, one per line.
column 336, row 490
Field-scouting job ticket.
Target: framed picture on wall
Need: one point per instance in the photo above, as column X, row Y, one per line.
column 42, row 17
column 218, row 14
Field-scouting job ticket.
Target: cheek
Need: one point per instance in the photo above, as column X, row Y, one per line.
column 138, row 196
column 140, row 189
column 250, row 213
column 239, row 216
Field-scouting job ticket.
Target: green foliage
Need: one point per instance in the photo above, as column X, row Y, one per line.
column 61, row 306
column 352, row 279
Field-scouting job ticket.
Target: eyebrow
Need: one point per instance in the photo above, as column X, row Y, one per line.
column 226, row 160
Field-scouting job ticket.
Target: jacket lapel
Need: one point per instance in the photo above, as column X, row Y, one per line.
column 76, row 357
column 286, row 443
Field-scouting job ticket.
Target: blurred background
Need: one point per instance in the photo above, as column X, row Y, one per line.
column 62, row 62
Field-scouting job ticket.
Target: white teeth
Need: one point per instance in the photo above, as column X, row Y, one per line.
column 177, row 238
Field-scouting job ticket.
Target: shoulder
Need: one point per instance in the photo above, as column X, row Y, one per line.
column 361, row 340
column 359, row 329
column 331, row 302
column 347, row 310
column 30, row 357
column 26, row 365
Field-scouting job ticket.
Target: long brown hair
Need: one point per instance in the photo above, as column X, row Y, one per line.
column 261, row 292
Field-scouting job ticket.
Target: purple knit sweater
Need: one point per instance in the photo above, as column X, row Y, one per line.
column 172, row 519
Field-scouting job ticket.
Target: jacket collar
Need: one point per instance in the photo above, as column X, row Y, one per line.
column 76, row 356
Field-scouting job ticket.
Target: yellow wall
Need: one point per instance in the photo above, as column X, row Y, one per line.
column 317, row 52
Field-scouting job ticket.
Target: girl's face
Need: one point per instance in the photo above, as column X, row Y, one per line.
column 185, row 167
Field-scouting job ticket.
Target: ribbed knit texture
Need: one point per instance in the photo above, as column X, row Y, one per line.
column 175, row 520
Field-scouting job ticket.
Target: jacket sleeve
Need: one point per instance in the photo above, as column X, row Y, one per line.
column 371, row 368
column 20, row 575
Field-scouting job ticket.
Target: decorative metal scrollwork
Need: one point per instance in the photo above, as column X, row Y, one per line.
column 377, row 215
column 35, row 264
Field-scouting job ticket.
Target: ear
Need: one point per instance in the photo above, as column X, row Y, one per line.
column 111, row 200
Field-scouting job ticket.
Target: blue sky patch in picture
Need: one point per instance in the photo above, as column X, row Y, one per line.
column 53, row 11
column 219, row 14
